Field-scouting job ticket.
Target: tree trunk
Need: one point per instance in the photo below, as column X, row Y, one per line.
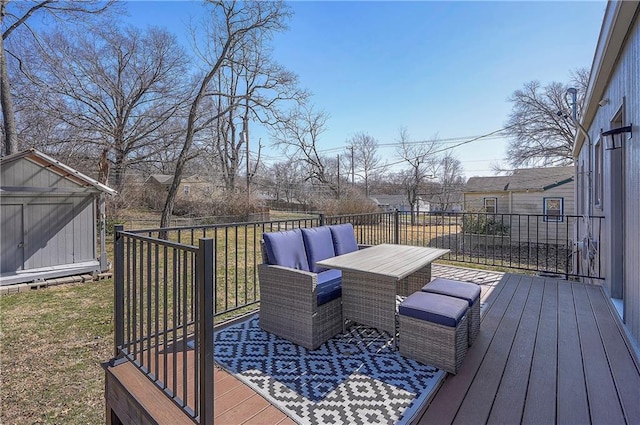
column 10, row 132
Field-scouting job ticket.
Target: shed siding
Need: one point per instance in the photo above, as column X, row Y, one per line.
column 49, row 240
column 45, row 229
column 25, row 173
column 623, row 88
column 11, row 238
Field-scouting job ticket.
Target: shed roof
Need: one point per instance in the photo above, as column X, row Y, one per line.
column 522, row 180
column 57, row 167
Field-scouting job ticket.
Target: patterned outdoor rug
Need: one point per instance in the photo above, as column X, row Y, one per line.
column 355, row 378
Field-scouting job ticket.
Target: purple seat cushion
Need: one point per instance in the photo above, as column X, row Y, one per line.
column 344, row 239
column 286, row 249
column 454, row 288
column 434, row 308
column 329, row 286
column 318, row 245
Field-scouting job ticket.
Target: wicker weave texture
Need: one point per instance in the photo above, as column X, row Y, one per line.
column 474, row 321
column 430, row 343
column 414, row 282
column 369, row 299
column 288, row 307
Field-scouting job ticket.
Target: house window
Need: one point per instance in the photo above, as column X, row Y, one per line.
column 553, row 209
column 597, row 183
column 491, row 205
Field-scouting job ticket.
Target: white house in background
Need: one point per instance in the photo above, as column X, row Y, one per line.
column 608, row 180
column 543, row 197
column 397, row 202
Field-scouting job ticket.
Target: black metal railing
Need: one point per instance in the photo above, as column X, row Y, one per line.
column 171, row 284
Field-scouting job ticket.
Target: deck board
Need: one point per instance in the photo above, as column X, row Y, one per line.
column 510, row 398
column 476, row 407
column 549, row 351
column 624, row 368
column 600, row 386
column 540, row 404
column 450, row 396
column 571, row 389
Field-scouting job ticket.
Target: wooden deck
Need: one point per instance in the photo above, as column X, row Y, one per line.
column 136, row 400
column 549, row 351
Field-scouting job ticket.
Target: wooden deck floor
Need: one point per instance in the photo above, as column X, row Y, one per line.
column 549, row 351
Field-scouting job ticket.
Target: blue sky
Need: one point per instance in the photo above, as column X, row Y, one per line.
column 435, row 68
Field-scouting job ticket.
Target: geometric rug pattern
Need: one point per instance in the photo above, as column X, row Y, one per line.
column 354, row 378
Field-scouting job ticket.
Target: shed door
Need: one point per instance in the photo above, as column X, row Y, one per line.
column 11, row 237
column 49, row 240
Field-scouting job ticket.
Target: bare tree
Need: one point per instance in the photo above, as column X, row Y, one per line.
column 298, row 135
column 115, row 89
column 255, row 89
column 362, row 154
column 542, row 130
column 14, row 17
column 287, row 180
column 421, row 160
column 231, row 24
column 451, row 179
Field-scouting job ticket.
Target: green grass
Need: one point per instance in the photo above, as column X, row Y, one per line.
column 53, row 342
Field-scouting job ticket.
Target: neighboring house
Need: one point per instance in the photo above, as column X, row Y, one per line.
column 545, row 192
column 48, row 222
column 446, row 202
column 156, row 187
column 397, row 202
column 608, row 180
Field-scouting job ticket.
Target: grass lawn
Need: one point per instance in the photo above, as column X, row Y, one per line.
column 52, row 342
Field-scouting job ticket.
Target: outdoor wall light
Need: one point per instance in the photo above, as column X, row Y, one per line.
column 614, row 141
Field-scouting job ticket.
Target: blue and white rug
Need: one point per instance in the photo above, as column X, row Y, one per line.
column 354, row 378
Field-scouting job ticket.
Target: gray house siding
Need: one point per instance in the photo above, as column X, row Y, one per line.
column 613, row 100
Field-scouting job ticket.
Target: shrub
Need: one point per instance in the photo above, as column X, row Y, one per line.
column 351, row 203
column 483, row 224
column 231, row 206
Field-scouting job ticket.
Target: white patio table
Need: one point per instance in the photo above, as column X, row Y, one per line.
column 373, row 277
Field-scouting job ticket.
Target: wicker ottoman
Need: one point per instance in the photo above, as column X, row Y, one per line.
column 433, row 330
column 463, row 290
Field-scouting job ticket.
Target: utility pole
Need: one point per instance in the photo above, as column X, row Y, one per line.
column 353, row 175
column 245, row 133
column 338, row 176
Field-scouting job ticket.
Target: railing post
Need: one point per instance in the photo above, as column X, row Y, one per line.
column 321, row 219
column 396, row 226
column 118, row 306
column 205, row 321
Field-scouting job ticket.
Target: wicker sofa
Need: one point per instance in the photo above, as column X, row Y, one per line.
column 300, row 301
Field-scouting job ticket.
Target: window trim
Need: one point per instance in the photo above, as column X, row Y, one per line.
column 598, row 171
column 552, row 218
column 495, row 204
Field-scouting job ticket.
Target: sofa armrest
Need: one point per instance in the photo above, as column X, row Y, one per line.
column 288, row 287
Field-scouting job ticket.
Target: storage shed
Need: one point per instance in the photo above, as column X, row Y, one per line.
column 48, row 219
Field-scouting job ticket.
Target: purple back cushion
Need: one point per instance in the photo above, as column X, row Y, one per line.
column 286, row 249
column 319, row 246
column 344, row 239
